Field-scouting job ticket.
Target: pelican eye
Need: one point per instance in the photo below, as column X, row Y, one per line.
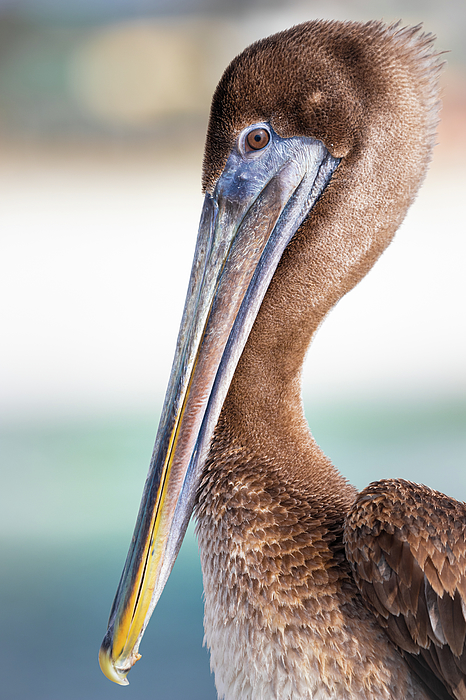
column 257, row 139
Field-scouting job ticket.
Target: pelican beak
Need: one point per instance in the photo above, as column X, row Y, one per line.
column 258, row 203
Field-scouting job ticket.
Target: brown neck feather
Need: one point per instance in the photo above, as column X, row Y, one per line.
column 370, row 94
column 271, row 506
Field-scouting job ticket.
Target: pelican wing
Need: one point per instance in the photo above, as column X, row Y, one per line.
column 407, row 546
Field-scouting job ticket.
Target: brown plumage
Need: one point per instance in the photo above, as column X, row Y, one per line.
column 272, row 508
column 311, row 590
column 407, row 546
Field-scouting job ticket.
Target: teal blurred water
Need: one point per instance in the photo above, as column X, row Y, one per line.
column 69, row 498
column 70, row 494
column 54, row 604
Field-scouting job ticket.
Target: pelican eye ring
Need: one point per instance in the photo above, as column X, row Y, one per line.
column 257, row 139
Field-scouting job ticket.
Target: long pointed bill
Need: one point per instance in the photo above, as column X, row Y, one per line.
column 258, row 204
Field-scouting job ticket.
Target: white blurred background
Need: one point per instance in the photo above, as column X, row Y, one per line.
column 102, row 118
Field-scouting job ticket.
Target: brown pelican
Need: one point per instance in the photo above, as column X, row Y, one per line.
column 319, row 138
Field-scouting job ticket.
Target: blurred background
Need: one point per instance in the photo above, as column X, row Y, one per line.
column 103, row 111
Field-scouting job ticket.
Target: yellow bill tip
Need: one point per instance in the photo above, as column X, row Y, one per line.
column 111, row 670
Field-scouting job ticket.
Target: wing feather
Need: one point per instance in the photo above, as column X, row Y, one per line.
column 407, row 547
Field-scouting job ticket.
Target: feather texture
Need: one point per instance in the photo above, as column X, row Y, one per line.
column 407, row 547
